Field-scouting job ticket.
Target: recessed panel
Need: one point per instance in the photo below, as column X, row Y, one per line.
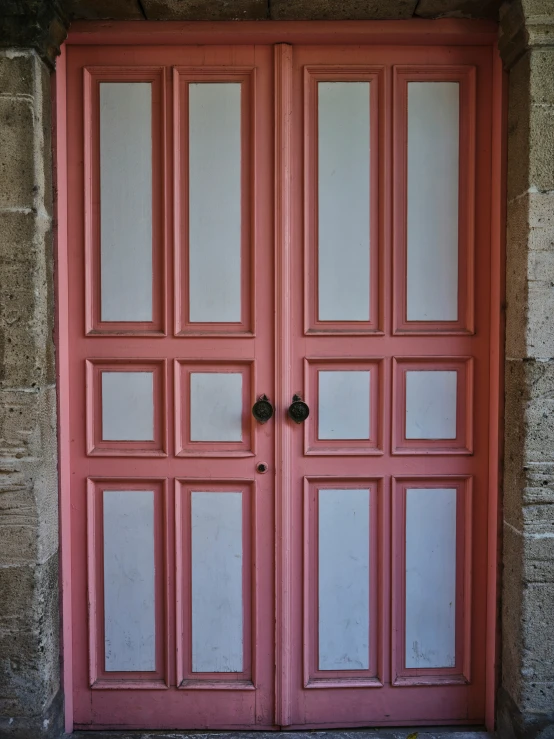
column 127, row 406
column 343, row 201
column 343, row 579
column 344, row 404
column 430, row 578
column 214, row 202
column 431, row 398
column 217, row 599
column 216, row 406
column 129, row 581
column 126, row 201
column 432, row 195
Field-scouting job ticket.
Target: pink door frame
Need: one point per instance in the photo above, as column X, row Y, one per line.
column 446, row 32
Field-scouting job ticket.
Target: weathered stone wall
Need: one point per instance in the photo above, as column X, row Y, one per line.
column 30, row 699
column 526, row 700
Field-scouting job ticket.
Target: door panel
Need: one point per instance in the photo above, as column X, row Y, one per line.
column 390, row 472
column 170, row 517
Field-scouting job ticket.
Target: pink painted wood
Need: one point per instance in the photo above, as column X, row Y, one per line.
column 170, row 696
column 394, row 694
column 278, row 346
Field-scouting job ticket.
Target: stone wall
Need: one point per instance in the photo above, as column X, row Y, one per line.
column 29, row 590
column 526, row 700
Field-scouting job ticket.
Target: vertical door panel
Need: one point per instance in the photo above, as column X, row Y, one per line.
column 170, row 346
column 214, row 202
column 125, row 209
column 343, row 141
column 129, row 597
column 343, row 201
column 217, row 597
column 432, row 194
column 430, row 577
column 215, row 118
column 124, row 230
column 434, row 204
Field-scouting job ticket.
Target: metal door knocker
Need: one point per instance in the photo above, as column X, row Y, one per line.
column 262, row 410
column 298, row 410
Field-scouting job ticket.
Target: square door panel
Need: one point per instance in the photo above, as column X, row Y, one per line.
column 213, row 404
column 431, row 579
column 432, row 405
column 346, row 406
column 126, row 407
column 342, row 560
column 128, row 602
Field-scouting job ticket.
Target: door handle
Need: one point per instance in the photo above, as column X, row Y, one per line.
column 262, row 410
column 298, row 410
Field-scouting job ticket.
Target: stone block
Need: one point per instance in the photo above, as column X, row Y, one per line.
column 517, row 232
column 28, row 474
column 539, row 488
column 540, row 329
column 541, row 220
column 538, row 555
column 17, row 165
column 512, row 605
column 29, row 643
column 536, row 8
column 538, row 646
column 17, row 72
column 458, row 9
column 541, row 148
column 516, row 399
column 542, row 77
column 518, row 128
column 345, row 10
column 92, row 10
column 205, row 10
column 539, row 421
column 25, row 327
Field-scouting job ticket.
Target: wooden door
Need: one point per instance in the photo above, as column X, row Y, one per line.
column 171, row 338
column 389, row 336
column 309, row 223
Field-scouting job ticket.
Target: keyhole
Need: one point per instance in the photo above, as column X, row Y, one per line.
column 261, row 468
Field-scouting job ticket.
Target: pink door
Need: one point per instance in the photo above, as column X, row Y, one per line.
column 309, row 224
column 389, row 329
column 172, row 341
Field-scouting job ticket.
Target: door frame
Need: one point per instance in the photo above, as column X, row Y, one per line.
column 284, row 34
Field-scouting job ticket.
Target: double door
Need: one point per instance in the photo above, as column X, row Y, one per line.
column 307, row 224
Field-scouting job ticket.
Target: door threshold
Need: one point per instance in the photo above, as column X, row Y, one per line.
column 432, row 732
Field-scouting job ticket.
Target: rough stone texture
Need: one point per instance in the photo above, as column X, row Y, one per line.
column 345, row 10
column 200, row 10
column 526, row 698
column 458, row 9
column 34, row 24
column 128, row 10
column 280, row 9
column 30, row 700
